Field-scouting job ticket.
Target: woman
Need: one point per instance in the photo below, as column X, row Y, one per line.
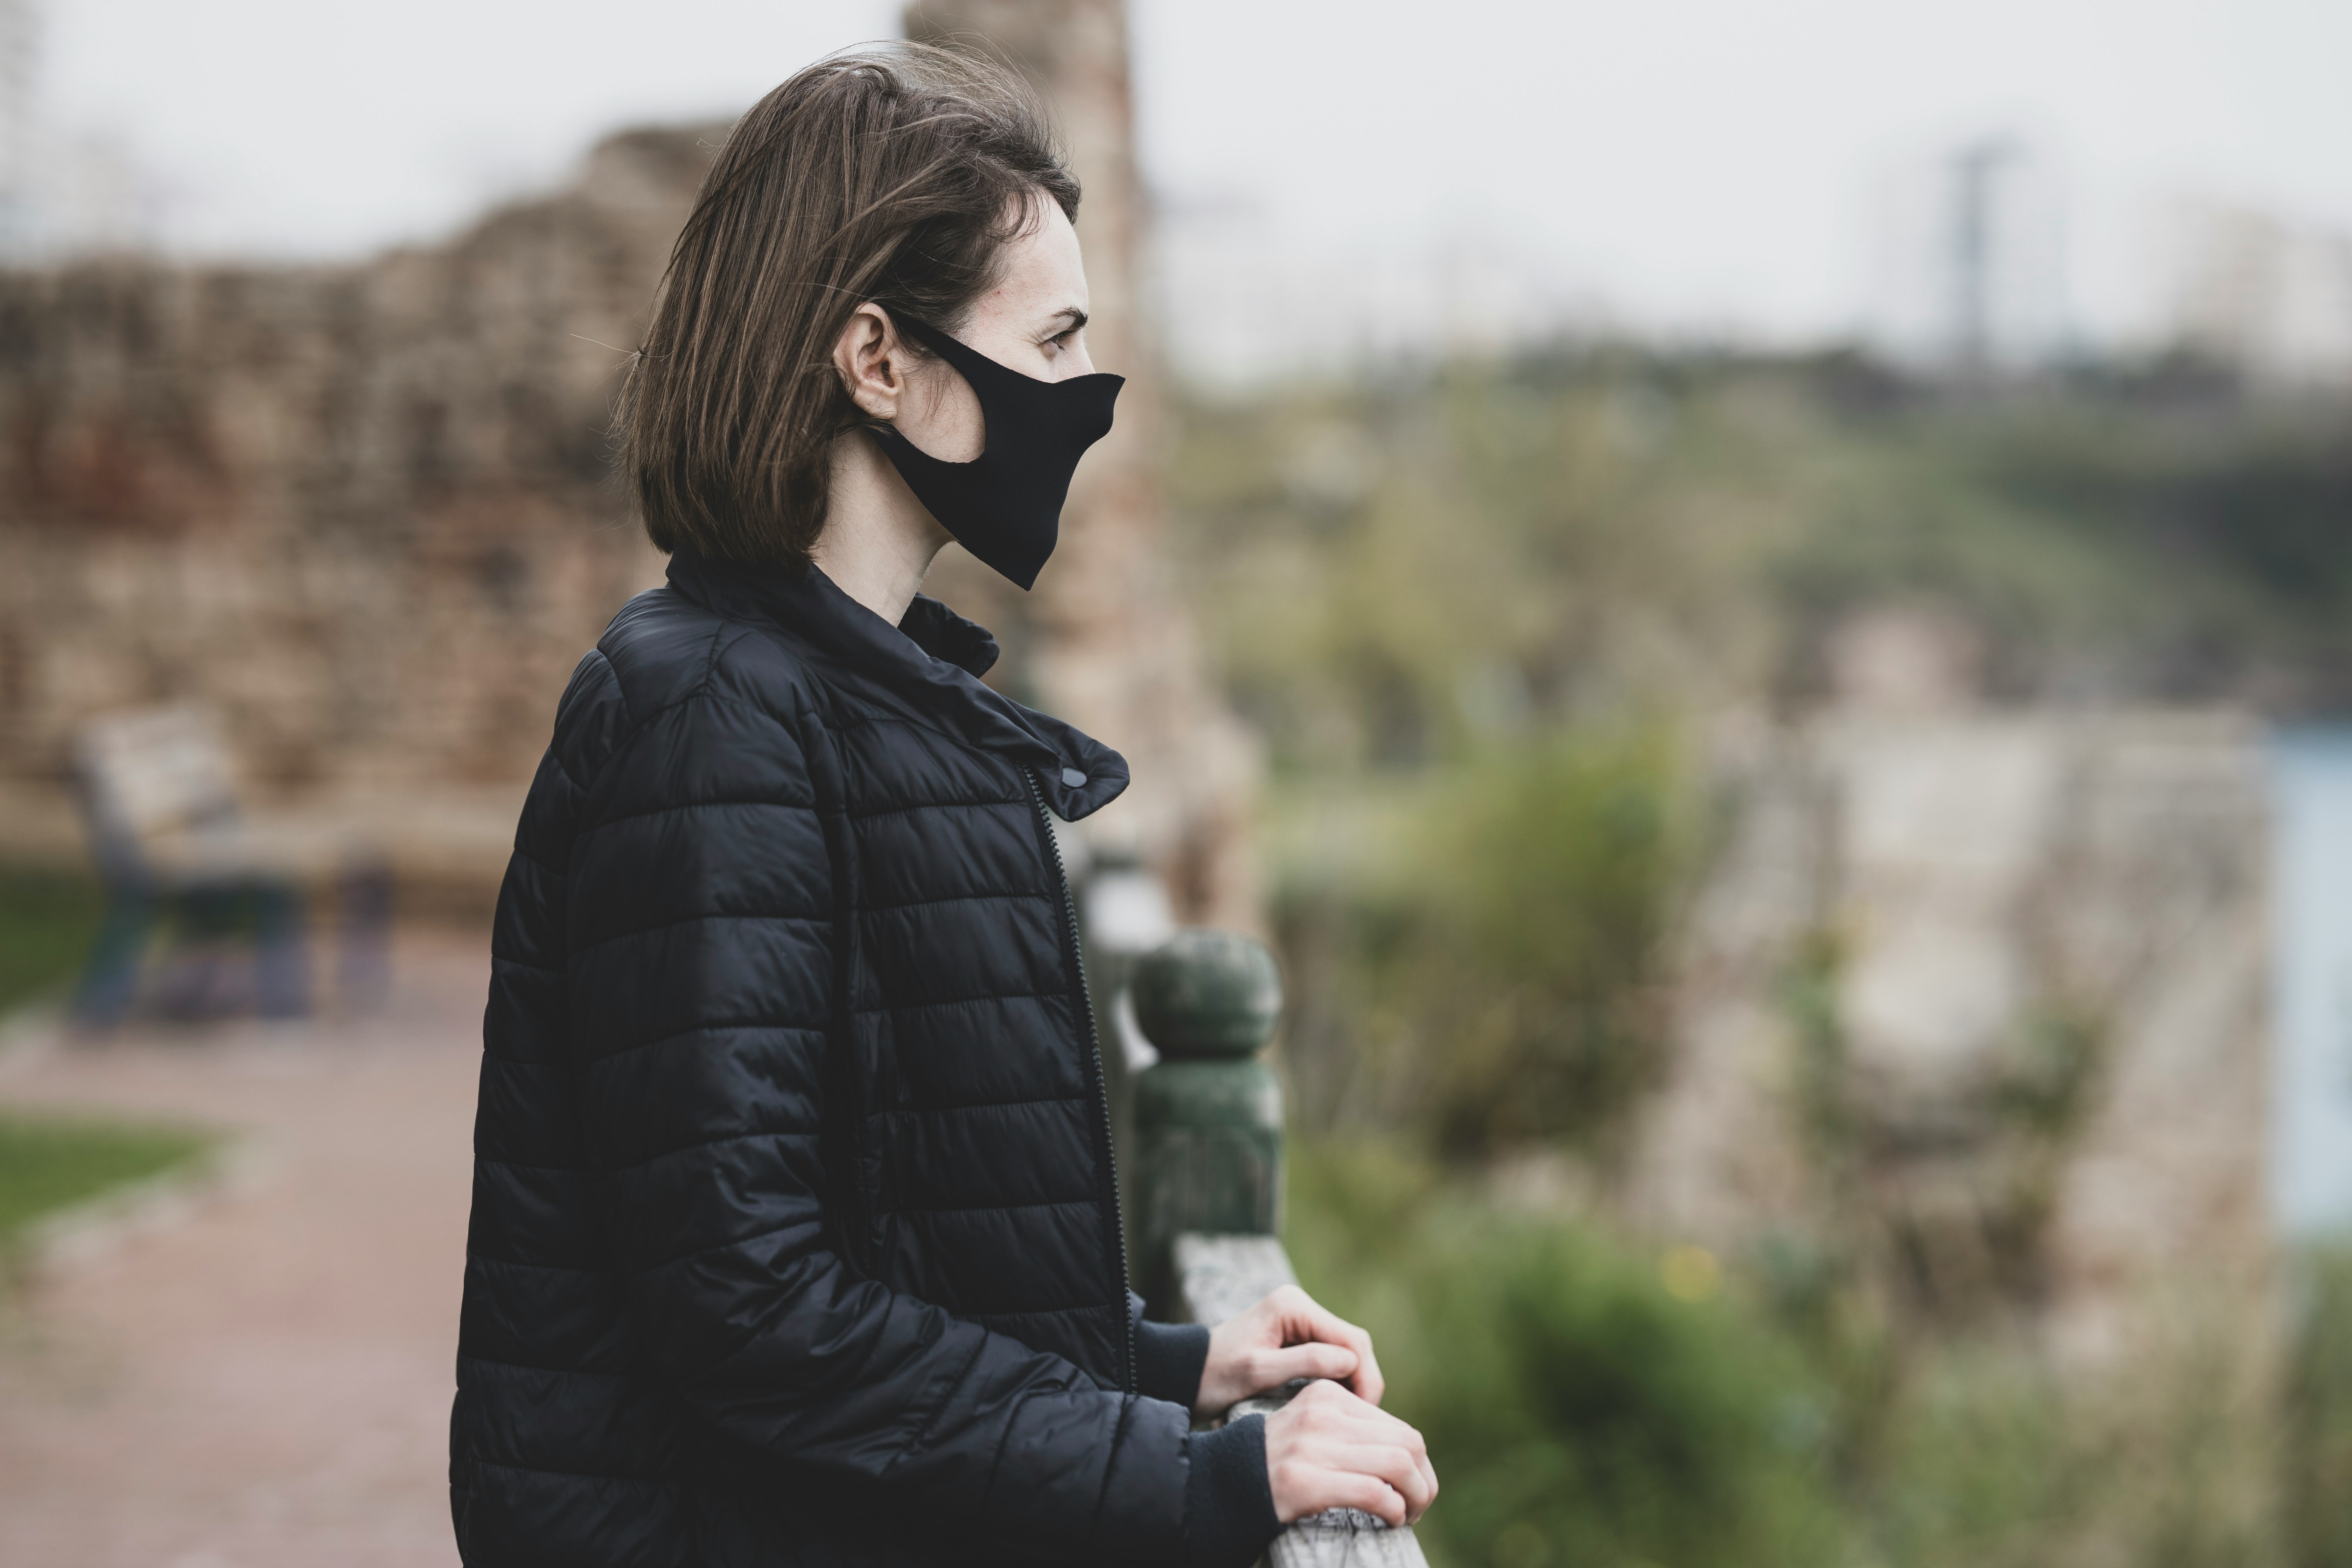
column 794, row 1236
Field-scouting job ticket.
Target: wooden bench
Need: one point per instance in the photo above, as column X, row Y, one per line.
column 181, row 860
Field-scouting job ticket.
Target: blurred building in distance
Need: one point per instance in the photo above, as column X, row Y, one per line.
column 2269, row 297
column 1983, row 994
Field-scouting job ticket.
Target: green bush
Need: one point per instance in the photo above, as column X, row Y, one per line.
column 1594, row 1419
column 1555, row 870
column 1492, row 974
column 1390, row 570
column 2319, row 1413
column 1595, row 1404
column 1578, row 1410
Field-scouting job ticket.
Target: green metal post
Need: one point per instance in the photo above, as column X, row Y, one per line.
column 1208, row 1118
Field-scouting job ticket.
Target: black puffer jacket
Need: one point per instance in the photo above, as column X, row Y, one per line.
column 793, row 1236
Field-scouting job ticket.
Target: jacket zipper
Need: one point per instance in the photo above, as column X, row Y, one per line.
column 1102, row 1089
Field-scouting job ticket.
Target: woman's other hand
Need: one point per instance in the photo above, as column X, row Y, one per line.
column 1284, row 1336
column 1327, row 1449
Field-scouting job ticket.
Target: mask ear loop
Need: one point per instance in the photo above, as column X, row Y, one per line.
column 930, row 339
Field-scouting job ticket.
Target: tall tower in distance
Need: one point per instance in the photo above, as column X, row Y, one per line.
column 1976, row 170
column 1971, row 267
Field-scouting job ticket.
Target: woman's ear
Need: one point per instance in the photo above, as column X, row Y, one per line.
column 872, row 361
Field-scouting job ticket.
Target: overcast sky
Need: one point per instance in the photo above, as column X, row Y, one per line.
column 1696, row 166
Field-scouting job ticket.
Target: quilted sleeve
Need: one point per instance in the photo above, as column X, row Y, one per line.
column 700, row 971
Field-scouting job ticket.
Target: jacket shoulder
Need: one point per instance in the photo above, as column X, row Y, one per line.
column 664, row 648
column 662, row 652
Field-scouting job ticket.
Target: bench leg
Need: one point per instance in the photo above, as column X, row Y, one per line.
column 281, row 954
column 196, row 975
column 109, row 975
column 365, row 897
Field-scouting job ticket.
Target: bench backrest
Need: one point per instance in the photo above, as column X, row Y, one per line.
column 152, row 772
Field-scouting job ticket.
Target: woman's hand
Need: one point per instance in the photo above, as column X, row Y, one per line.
column 1284, row 1336
column 1327, row 1449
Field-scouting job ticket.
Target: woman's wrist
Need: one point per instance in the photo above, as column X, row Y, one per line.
column 1229, row 1515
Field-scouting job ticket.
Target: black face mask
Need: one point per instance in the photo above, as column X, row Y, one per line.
column 1005, row 505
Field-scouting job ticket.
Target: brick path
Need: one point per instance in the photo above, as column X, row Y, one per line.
column 265, row 1381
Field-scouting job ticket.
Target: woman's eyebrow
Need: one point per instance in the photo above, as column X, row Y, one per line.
column 1071, row 313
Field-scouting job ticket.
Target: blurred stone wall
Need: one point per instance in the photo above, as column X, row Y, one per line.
column 366, row 513
column 361, row 513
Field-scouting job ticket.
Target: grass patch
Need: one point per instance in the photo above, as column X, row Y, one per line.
column 46, row 920
column 52, row 1163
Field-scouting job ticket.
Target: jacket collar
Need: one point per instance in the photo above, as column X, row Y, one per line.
column 931, row 662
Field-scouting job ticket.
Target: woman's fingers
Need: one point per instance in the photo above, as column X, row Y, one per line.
column 1368, row 1383
column 1302, row 1318
column 1327, row 1449
column 1367, row 1430
column 1336, row 1411
column 1286, row 1336
column 1324, row 1490
column 1253, row 1355
column 1272, row 1369
column 1397, row 1467
column 1303, row 1487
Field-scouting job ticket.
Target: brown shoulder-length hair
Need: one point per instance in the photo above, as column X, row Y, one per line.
column 895, row 173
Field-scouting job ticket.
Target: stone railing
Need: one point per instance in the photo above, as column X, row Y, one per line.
column 1207, row 1181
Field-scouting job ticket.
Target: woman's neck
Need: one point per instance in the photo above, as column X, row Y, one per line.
column 878, row 541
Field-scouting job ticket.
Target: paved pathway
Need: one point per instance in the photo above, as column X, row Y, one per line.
column 264, row 1383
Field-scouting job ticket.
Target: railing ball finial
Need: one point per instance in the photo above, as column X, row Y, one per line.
column 1208, row 1118
column 1207, row 995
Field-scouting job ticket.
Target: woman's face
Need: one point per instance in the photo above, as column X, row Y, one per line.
column 1034, row 321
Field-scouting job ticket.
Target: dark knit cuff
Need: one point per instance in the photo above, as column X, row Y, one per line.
column 1229, row 1516
column 1168, row 1360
